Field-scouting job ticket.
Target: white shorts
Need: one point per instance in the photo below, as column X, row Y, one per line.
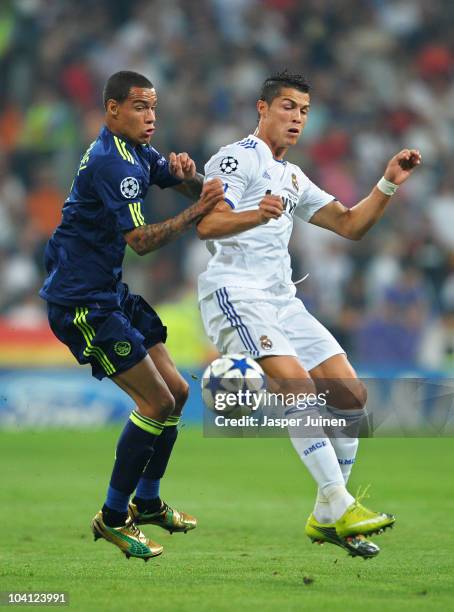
column 262, row 323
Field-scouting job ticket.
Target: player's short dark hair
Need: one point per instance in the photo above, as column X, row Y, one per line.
column 119, row 84
column 271, row 88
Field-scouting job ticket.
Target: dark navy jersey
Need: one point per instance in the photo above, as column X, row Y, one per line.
column 84, row 256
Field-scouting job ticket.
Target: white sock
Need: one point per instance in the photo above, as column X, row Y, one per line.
column 317, row 453
column 322, row 509
column 345, row 449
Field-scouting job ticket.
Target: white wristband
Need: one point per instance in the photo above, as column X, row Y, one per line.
column 387, row 187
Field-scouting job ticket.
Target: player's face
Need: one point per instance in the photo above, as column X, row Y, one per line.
column 135, row 117
column 284, row 119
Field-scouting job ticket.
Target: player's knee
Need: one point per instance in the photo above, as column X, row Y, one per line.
column 290, row 387
column 362, row 395
column 180, row 394
column 158, row 407
column 352, row 397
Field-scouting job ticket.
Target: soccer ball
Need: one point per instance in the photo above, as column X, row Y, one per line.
column 233, row 384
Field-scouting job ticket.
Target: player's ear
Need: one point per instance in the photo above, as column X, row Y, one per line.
column 262, row 107
column 112, row 107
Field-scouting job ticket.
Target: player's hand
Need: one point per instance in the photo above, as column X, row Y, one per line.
column 402, row 165
column 212, row 194
column 270, row 207
column 181, row 166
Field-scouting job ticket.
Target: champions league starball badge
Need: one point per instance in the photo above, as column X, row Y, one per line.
column 129, row 187
column 228, row 165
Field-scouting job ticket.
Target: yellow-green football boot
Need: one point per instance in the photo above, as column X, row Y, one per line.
column 168, row 518
column 356, row 546
column 359, row 520
column 129, row 539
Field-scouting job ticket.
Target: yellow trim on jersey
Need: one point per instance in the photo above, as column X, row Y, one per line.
column 117, row 144
column 133, row 215
column 127, row 153
column 139, row 214
column 136, row 214
column 80, row 321
column 121, row 147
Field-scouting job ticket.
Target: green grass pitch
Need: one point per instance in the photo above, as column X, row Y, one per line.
column 251, row 497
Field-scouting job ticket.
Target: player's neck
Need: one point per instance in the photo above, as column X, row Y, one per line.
column 277, row 151
column 116, row 132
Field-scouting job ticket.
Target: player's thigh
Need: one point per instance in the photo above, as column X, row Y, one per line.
column 179, row 388
column 148, row 389
column 286, row 374
column 346, row 390
column 107, row 340
column 244, row 326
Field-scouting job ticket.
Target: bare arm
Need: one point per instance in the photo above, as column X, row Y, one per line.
column 183, row 167
column 224, row 222
column 148, row 238
column 191, row 188
column 354, row 222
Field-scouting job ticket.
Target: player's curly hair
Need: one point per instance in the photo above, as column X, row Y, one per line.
column 273, row 85
column 118, row 85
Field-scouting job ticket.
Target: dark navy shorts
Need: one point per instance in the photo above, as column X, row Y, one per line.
column 110, row 340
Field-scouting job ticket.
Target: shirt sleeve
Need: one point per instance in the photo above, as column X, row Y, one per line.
column 312, row 199
column 234, row 166
column 159, row 171
column 121, row 192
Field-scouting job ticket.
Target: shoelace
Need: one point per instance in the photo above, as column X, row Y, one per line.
column 360, row 495
column 133, row 529
column 300, row 280
column 176, row 516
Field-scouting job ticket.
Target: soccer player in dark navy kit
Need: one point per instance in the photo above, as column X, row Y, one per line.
column 91, row 310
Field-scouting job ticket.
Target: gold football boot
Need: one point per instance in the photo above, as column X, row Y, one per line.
column 168, row 518
column 129, row 539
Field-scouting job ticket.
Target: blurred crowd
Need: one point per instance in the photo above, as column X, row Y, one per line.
column 382, row 79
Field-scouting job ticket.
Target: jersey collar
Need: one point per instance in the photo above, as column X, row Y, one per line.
column 123, row 146
column 266, row 149
column 106, row 132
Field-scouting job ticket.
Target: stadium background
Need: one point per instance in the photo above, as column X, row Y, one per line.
column 382, row 79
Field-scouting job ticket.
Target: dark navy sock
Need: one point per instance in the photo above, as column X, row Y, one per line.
column 112, row 518
column 134, row 450
column 148, row 487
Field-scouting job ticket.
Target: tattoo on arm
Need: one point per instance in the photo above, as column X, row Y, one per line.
column 191, row 189
column 151, row 237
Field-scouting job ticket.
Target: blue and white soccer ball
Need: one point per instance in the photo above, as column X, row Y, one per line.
column 233, row 384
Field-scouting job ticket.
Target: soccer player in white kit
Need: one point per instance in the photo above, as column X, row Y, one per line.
column 248, row 303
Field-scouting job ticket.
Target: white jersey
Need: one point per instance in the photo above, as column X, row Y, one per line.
column 257, row 258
